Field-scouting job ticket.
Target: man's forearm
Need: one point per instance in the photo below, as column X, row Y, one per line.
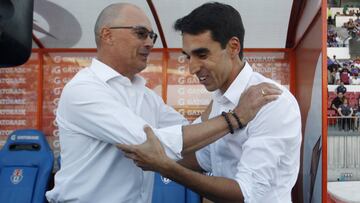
column 217, row 189
column 189, row 161
column 197, row 136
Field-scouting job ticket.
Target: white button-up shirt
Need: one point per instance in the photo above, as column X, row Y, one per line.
column 263, row 157
column 97, row 109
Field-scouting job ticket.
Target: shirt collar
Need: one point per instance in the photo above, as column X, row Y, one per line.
column 236, row 88
column 106, row 73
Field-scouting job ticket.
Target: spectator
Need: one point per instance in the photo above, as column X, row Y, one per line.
column 355, row 80
column 351, row 27
column 356, row 62
column 347, row 63
column 332, row 38
column 336, row 61
column 351, row 13
column 357, row 114
column 354, row 70
column 338, row 100
column 345, row 76
column 345, row 111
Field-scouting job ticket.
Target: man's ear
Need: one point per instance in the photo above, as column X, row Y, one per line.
column 106, row 36
column 234, row 46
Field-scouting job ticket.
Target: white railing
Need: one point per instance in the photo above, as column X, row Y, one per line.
column 343, row 144
column 343, row 123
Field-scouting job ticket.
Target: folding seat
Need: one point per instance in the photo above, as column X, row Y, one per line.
column 351, row 95
column 26, row 163
column 352, row 101
column 357, row 94
column 331, row 95
column 166, row 190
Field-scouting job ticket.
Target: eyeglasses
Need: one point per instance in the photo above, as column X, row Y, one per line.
column 141, row 32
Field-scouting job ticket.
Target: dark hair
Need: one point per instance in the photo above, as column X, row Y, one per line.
column 223, row 21
column 341, row 89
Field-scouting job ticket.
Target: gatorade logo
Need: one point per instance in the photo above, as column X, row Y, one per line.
column 13, row 137
column 17, row 176
column 165, row 180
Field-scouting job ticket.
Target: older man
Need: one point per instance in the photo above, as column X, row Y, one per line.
column 108, row 103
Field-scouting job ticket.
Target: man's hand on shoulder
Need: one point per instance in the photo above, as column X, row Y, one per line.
column 254, row 98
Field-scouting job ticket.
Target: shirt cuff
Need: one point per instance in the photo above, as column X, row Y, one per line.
column 171, row 139
column 202, row 157
column 252, row 186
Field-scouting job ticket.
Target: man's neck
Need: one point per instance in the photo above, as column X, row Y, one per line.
column 118, row 68
column 238, row 66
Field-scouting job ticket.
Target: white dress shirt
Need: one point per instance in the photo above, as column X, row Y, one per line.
column 263, row 157
column 97, row 109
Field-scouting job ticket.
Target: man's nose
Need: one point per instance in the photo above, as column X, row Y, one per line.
column 194, row 66
column 149, row 42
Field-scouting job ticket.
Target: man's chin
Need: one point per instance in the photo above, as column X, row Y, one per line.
column 210, row 88
column 141, row 67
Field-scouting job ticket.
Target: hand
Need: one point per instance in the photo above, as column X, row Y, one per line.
column 149, row 155
column 255, row 97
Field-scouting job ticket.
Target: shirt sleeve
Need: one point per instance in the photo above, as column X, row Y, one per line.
column 169, row 127
column 203, row 158
column 168, row 116
column 93, row 111
column 273, row 145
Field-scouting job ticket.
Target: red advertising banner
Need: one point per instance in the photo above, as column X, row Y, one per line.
column 184, row 92
column 18, row 97
column 19, row 86
column 274, row 65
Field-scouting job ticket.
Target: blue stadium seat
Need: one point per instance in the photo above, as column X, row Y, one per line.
column 166, row 190
column 26, row 163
